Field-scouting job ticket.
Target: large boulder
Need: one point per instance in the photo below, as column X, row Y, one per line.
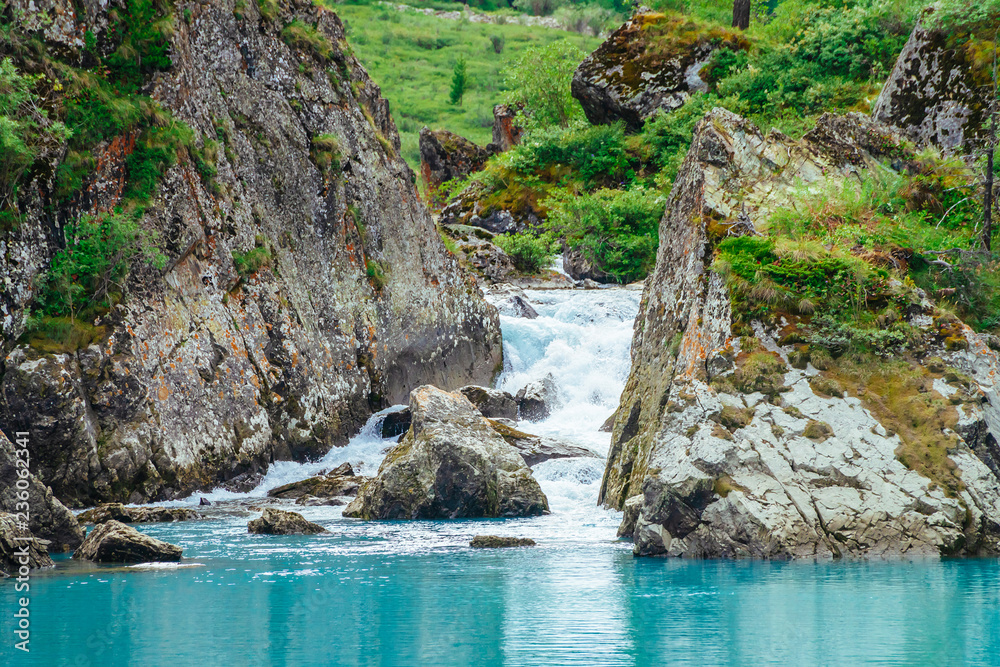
column 650, row 63
column 280, row 522
column 579, row 267
column 512, row 301
column 20, row 551
column 478, row 254
column 450, row 465
column 494, row 403
column 115, row 542
column 48, row 518
column 340, row 481
column 537, row 399
column 498, row 542
column 119, row 512
column 446, row 156
column 717, row 452
column 936, row 94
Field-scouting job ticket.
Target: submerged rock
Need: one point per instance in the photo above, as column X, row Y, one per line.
column 48, row 519
column 537, row 400
column 115, row 542
column 20, row 549
column 646, row 66
column 720, row 454
column 451, row 464
column 491, row 402
column 935, row 93
column 511, row 300
column 280, row 522
column 118, row 512
column 497, row 542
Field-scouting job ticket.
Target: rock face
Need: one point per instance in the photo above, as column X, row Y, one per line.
column 450, row 465
column 20, row 551
column 506, row 131
column 115, row 542
column 118, row 512
column 537, row 400
column 496, row 542
column 581, row 268
column 206, row 374
column 512, row 301
column 445, row 156
column 704, row 471
column 478, row 254
column 934, row 94
column 651, row 63
column 491, row 402
column 339, row 482
column 48, row 518
column 280, row 522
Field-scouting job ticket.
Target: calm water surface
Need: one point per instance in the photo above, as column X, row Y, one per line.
column 416, row 594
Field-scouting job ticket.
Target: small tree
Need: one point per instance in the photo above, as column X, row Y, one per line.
column 540, row 80
column 459, row 82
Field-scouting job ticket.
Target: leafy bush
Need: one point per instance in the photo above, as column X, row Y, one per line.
column 528, row 252
column 617, row 230
column 596, row 154
column 540, row 79
column 90, row 271
column 142, row 32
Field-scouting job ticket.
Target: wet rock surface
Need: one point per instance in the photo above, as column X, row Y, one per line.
column 537, row 400
column 497, row 542
column 491, row 402
column 19, row 548
column 116, row 542
column 281, row 522
column 535, row 449
column 339, row 482
column 119, row 512
column 451, row 464
column 445, row 156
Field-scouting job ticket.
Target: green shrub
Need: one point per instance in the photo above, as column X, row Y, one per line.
column 268, row 9
column 528, row 252
column 595, row 154
column 301, row 35
column 252, row 261
column 91, row 270
column 325, row 152
column 540, row 79
column 617, row 230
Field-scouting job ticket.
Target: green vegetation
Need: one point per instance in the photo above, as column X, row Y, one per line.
column 459, row 82
column 540, row 79
column 250, row 262
column 419, row 93
column 326, row 153
column 376, row 274
column 528, row 252
column 301, row 35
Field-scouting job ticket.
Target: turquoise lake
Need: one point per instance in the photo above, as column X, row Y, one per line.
column 414, row 593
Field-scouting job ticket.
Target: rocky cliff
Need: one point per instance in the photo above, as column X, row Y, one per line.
column 745, row 446
column 208, row 369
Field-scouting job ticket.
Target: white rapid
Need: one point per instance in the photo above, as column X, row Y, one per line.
column 582, row 339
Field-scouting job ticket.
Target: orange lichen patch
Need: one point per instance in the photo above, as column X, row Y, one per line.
column 163, row 393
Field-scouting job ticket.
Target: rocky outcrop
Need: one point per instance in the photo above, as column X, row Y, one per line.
column 576, row 264
column 535, row 449
column 478, row 254
column 338, row 482
column 48, row 518
column 506, row 130
column 445, row 156
column 20, row 551
column 787, row 465
column 497, row 542
column 115, row 542
column 451, row 464
column 493, row 403
column 537, row 399
column 206, row 374
column 118, row 512
column 512, row 301
column 280, row 522
column 650, row 63
column 475, row 207
column 935, row 94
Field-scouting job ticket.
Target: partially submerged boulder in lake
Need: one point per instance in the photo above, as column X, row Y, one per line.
column 119, row 512
column 537, row 399
column 338, row 482
column 281, row 522
column 497, row 542
column 650, row 63
column 494, row 403
column 451, row 464
column 115, row 542
column 537, row 448
column 19, row 548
